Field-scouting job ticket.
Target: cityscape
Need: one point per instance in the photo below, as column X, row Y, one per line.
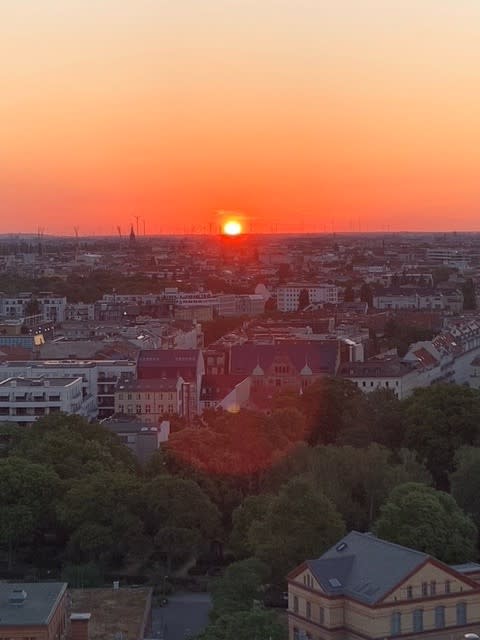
column 239, row 320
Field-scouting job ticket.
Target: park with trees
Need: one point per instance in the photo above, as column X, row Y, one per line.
column 253, row 494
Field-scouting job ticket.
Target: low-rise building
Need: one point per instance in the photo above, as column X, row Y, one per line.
column 365, row 588
column 141, row 438
column 37, row 611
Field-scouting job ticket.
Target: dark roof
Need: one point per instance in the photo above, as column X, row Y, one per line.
column 466, row 567
column 39, row 605
column 168, row 357
column 364, row 567
column 375, row 368
column 216, row 387
column 320, row 356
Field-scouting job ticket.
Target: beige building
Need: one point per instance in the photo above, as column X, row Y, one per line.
column 366, row 588
column 150, row 400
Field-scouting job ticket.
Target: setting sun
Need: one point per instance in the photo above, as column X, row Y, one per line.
column 232, row 228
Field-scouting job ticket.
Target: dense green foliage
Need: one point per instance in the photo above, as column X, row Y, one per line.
column 269, row 490
column 428, row 520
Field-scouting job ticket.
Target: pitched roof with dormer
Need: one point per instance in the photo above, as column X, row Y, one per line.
column 366, row 568
column 322, row 356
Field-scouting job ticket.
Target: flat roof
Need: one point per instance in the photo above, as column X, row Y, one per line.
column 38, row 382
column 113, row 611
column 39, row 605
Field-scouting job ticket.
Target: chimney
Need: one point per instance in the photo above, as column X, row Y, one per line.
column 79, row 626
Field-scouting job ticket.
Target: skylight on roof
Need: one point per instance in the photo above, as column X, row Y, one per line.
column 334, row 582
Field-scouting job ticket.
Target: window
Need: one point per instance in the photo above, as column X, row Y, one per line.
column 147, row 408
column 409, row 592
column 424, row 589
column 433, row 588
column 447, row 586
column 396, row 623
column 418, row 620
column 321, row 615
column 461, row 610
column 439, row 617
column 309, row 610
column 295, row 604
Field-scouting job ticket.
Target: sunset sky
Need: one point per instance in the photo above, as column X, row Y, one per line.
column 302, row 115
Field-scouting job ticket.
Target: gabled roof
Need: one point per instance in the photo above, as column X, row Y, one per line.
column 364, row 567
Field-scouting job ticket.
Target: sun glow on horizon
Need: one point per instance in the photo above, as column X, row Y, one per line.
column 232, row 228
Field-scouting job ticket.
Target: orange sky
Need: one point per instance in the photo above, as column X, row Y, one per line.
column 304, row 114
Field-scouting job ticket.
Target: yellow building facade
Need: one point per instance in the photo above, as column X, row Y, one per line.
column 410, row 595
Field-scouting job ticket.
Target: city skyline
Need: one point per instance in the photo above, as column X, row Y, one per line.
column 295, row 115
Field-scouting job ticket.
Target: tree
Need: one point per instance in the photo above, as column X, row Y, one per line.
column 356, row 480
column 180, row 516
column 439, row 420
column 349, row 294
column 303, row 299
column 465, row 481
column 73, row 447
column 239, row 587
column 332, row 406
column 102, row 513
column 469, row 297
column 245, row 625
column 252, row 508
column 428, row 520
column 299, row 523
column 366, row 294
column 27, row 499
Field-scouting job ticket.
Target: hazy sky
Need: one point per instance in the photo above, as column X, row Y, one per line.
column 306, row 114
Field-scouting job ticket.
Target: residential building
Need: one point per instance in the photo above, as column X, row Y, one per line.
column 37, row 611
column 24, row 400
column 152, row 399
column 99, row 377
column 141, row 438
column 288, row 295
column 228, row 392
column 172, row 364
column 365, row 588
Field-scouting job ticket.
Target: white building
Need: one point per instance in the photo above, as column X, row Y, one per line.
column 52, row 306
column 288, row 295
column 24, row 400
column 98, row 377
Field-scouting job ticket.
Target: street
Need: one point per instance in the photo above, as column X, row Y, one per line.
column 185, row 615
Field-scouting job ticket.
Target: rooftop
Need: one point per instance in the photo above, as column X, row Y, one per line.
column 364, row 567
column 122, row 611
column 39, row 604
column 38, row 382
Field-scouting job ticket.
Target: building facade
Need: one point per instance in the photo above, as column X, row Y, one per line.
column 288, row 295
column 347, row 594
column 24, row 400
column 37, row 611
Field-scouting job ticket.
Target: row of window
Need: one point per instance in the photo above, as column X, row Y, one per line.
column 428, row 588
column 140, row 396
column 308, row 608
column 417, row 618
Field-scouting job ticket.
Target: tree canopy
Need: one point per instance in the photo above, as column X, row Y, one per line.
column 423, row 518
